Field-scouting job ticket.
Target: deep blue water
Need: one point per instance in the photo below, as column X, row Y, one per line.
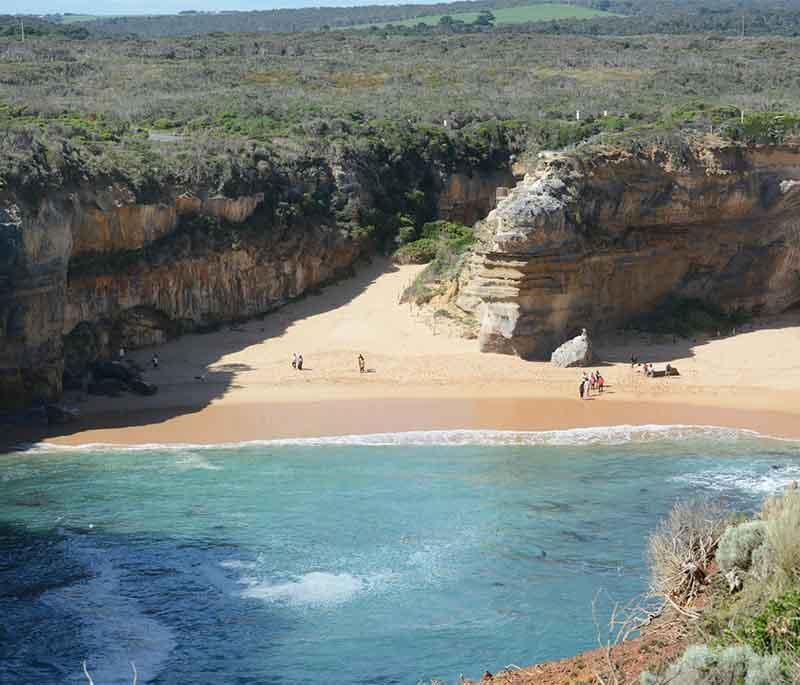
column 370, row 563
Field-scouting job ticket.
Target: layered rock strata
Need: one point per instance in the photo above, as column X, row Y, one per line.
column 89, row 272
column 599, row 237
column 89, row 268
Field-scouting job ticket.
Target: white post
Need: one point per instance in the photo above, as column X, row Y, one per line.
column 577, row 115
column 22, row 29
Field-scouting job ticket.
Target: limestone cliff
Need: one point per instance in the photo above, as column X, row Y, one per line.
column 467, row 198
column 598, row 237
column 89, row 270
column 92, row 264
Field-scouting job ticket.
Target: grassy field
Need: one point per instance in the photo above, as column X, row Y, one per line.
column 77, row 18
column 510, row 15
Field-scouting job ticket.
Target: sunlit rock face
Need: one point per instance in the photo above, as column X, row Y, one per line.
column 598, row 237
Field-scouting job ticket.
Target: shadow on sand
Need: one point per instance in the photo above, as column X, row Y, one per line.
column 207, row 384
column 661, row 349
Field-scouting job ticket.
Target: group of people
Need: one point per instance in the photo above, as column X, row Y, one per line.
column 594, row 382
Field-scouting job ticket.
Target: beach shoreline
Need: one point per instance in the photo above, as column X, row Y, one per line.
column 251, row 421
column 237, row 384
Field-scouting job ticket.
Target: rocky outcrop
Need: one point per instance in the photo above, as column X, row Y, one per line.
column 467, row 198
column 191, row 284
column 34, row 253
column 86, row 271
column 89, row 265
column 575, row 352
column 601, row 236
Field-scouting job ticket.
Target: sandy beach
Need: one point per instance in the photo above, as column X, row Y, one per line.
column 421, row 378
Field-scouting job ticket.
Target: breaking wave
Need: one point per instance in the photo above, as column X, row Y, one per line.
column 601, row 435
column 312, row 589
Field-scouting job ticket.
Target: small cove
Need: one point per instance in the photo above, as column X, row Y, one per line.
column 391, row 559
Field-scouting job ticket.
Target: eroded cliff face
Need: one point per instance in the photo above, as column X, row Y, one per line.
column 89, row 268
column 595, row 240
column 468, row 198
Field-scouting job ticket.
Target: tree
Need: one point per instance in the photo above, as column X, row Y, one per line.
column 485, row 18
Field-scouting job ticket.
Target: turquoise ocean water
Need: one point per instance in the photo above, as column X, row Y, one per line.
column 379, row 559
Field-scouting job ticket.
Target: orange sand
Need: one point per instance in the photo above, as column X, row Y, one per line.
column 418, row 380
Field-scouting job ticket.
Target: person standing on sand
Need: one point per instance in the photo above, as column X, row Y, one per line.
column 582, row 387
column 600, row 382
column 361, row 363
column 300, row 362
column 294, row 360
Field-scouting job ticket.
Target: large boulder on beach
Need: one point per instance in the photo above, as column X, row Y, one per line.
column 575, row 352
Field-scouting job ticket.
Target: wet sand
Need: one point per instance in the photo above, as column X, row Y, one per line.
column 256, row 421
column 420, row 378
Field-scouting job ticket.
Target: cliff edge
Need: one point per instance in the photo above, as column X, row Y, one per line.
column 600, row 236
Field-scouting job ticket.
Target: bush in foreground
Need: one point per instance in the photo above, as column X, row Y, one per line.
column 682, row 550
column 750, row 632
column 738, row 544
column 782, row 517
column 703, row 665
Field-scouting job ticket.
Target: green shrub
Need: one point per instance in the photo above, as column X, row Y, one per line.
column 701, row 665
column 782, row 516
column 406, row 234
column 446, row 230
column 777, row 628
column 419, row 252
column 738, row 543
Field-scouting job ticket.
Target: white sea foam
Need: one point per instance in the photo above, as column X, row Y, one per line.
column 746, row 478
column 238, row 564
column 189, row 461
column 600, row 435
column 312, row 589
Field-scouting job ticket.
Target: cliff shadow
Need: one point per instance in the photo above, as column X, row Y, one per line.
column 660, row 348
column 193, row 371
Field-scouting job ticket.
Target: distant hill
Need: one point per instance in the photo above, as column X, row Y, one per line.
column 36, row 26
column 510, row 15
column 313, row 18
column 579, row 17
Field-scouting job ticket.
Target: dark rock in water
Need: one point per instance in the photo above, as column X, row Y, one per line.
column 550, row 506
column 143, row 388
column 575, row 352
column 576, row 536
column 33, row 499
column 112, row 387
